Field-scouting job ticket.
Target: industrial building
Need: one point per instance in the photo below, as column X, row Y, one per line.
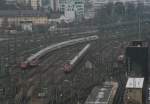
column 134, row 93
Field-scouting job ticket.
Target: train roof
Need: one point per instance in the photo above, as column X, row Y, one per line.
column 80, row 54
column 62, row 44
column 135, row 83
column 102, row 94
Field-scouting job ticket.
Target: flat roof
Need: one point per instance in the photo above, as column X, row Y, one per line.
column 138, row 43
column 102, row 94
column 135, row 83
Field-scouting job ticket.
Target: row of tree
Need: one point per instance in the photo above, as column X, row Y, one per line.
column 2, row 4
column 118, row 12
column 5, row 6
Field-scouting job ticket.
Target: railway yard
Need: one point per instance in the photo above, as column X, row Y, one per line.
column 47, row 83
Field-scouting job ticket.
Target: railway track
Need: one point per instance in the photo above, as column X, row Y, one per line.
column 104, row 51
column 50, row 68
column 56, row 71
column 27, row 42
column 103, row 41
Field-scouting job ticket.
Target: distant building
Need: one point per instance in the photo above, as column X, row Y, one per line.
column 134, row 93
column 62, row 4
column 79, row 8
column 26, row 26
column 10, row 2
column 17, row 17
column 54, row 4
column 90, row 13
column 22, row 2
column 51, row 5
column 36, row 4
column 69, row 10
column 98, row 3
column 74, row 7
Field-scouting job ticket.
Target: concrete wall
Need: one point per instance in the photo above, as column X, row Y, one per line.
column 134, row 95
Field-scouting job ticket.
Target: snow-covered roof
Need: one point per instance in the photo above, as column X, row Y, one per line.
column 135, row 83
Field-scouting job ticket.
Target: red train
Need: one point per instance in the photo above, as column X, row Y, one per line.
column 34, row 59
column 121, row 58
column 69, row 66
column 25, row 64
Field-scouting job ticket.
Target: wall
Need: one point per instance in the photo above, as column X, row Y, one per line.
column 135, row 95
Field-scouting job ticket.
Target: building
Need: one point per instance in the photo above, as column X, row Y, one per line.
column 134, row 93
column 66, row 7
column 36, row 4
column 54, row 5
column 98, row 3
column 69, row 11
column 74, row 7
column 26, row 26
column 104, row 94
column 79, row 8
column 16, row 17
column 21, row 2
column 137, row 58
column 62, row 4
column 11, row 2
column 90, row 14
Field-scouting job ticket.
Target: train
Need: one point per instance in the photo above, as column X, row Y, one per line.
column 121, row 58
column 34, row 59
column 69, row 66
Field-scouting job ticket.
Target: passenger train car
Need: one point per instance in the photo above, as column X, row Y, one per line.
column 34, row 59
column 69, row 66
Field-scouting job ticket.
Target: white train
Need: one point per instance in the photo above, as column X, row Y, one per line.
column 69, row 66
column 33, row 59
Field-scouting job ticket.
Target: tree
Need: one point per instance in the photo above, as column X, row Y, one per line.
column 140, row 8
column 104, row 14
column 130, row 11
column 109, row 8
column 2, row 4
column 119, row 9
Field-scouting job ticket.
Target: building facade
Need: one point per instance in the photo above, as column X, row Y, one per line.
column 62, row 4
column 72, row 6
column 36, row 4
column 134, row 93
column 16, row 17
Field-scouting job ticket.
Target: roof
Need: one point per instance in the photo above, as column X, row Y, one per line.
column 14, row 13
column 135, row 83
column 102, row 94
column 138, row 43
